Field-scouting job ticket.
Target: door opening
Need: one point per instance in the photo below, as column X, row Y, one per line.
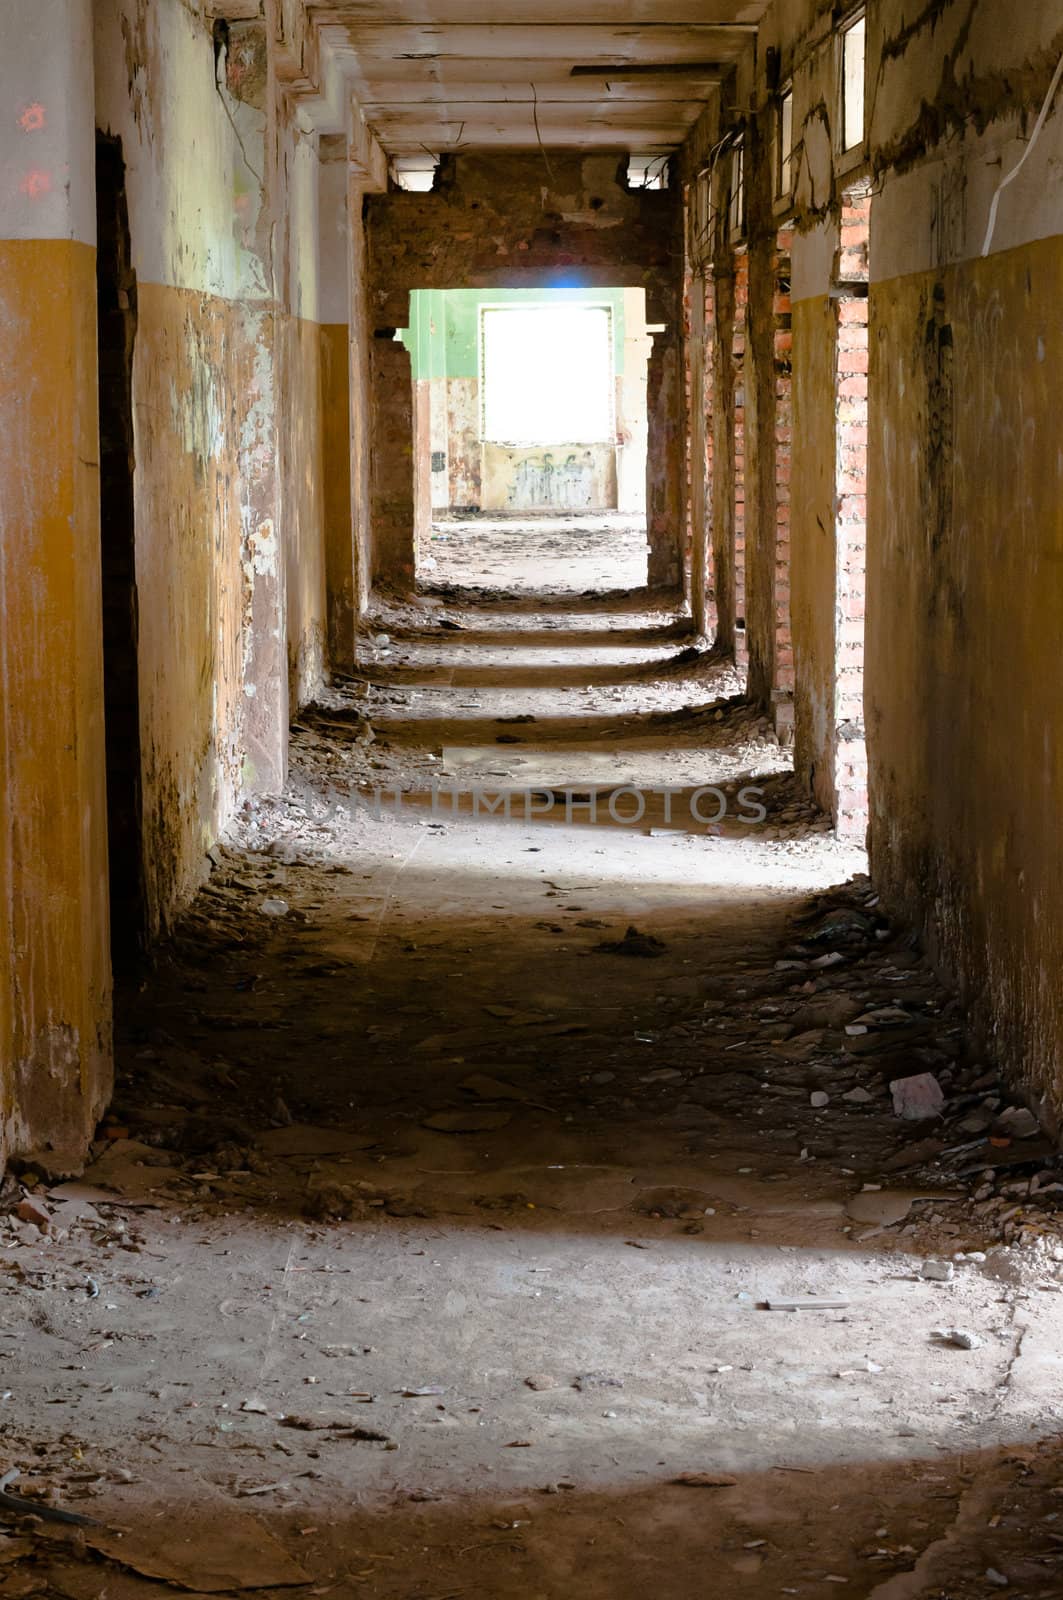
column 116, row 286
column 530, row 436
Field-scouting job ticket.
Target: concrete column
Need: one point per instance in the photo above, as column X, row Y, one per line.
column 55, row 982
column 335, row 300
column 251, row 88
column 360, row 397
column 393, row 489
column 665, row 463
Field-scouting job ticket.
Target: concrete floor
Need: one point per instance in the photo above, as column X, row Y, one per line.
column 539, row 555
column 293, row 1338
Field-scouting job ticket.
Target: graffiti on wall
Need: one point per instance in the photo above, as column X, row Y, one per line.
column 565, row 482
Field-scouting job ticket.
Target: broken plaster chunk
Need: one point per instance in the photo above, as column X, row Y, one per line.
column 808, row 1303
column 918, row 1098
column 959, row 1338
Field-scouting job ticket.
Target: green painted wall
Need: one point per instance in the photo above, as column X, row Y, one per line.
column 443, row 337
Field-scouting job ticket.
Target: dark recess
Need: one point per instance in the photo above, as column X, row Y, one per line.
column 116, row 288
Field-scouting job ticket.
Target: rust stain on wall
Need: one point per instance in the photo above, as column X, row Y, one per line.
column 55, row 1030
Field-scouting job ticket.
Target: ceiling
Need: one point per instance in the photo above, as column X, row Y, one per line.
column 442, row 75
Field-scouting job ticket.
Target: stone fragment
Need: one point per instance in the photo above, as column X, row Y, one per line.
column 939, row 1271
column 30, row 1210
column 918, row 1098
column 1017, row 1122
column 858, row 1097
column 819, row 1099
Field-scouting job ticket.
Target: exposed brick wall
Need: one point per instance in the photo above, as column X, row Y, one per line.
column 720, row 399
column 711, row 612
column 393, row 498
column 503, row 220
column 783, row 675
column 851, row 517
column 664, row 465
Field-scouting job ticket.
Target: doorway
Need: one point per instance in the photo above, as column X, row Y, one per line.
column 116, row 287
column 530, row 436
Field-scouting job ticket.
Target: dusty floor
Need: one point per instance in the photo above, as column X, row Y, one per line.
column 539, row 555
column 430, row 1245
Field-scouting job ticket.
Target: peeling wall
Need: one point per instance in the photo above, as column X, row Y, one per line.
column 549, row 478
column 233, row 366
column 55, row 980
column 335, row 335
column 963, row 492
column 965, row 604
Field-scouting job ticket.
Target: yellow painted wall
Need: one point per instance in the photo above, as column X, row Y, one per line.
column 189, row 362
column 55, row 1032
column 812, row 549
column 965, row 622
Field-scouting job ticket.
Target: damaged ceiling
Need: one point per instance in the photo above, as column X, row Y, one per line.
column 444, row 75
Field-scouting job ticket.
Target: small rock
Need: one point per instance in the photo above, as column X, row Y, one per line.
column 918, row 1098
column 284, row 850
column 30, row 1210
column 997, row 1579
column 274, row 908
column 1017, row 1123
column 939, row 1271
column 819, row 1099
column 633, row 943
column 858, row 1097
column 540, row 1381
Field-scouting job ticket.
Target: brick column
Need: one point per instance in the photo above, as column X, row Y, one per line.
column 391, row 423
column 783, row 673
column 699, row 403
column 722, row 445
column 850, row 773
column 664, row 465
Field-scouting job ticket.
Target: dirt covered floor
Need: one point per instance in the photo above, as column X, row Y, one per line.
column 539, row 555
column 475, row 1133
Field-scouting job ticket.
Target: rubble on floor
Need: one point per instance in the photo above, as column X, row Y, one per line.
column 434, row 1245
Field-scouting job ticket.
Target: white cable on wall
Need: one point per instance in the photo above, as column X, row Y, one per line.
column 1014, row 173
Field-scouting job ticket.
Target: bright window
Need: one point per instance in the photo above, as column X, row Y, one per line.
column 647, row 172
column 853, row 49
column 737, row 214
column 547, row 374
column 786, row 143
